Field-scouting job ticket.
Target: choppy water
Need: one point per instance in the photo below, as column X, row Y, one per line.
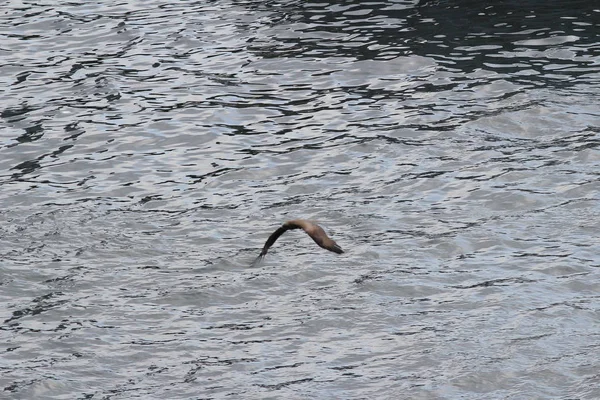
column 148, row 149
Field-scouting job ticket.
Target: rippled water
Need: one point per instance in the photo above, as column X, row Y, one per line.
column 148, row 149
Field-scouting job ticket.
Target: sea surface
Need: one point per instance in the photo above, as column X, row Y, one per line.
column 149, row 148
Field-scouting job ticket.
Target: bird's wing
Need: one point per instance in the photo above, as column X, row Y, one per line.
column 274, row 236
column 320, row 237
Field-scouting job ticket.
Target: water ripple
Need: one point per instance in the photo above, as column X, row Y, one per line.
column 149, row 149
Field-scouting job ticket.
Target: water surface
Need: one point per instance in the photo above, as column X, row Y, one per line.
column 148, row 149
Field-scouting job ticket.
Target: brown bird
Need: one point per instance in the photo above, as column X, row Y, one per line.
column 313, row 230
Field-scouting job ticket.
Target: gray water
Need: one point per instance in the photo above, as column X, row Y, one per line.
column 149, row 148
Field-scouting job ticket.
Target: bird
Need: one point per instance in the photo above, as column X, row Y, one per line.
column 313, row 230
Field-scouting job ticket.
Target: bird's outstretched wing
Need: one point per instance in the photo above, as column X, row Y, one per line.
column 274, row 236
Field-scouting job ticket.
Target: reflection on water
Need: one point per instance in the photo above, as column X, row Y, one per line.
column 149, row 149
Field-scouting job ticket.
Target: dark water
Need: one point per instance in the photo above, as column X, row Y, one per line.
column 147, row 150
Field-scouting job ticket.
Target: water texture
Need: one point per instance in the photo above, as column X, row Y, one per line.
column 148, row 149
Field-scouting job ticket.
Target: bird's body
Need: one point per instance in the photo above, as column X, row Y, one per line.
column 313, row 230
